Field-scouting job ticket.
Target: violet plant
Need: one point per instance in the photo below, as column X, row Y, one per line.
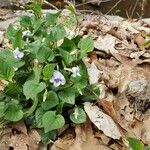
column 47, row 83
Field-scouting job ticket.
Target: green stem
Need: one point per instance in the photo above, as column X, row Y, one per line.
column 33, row 108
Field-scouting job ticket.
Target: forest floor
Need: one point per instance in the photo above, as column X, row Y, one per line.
column 120, row 63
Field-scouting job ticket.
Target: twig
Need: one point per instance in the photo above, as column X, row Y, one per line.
column 46, row 2
column 113, row 7
column 144, row 2
column 133, row 10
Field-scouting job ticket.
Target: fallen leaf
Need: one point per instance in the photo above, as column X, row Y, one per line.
column 106, row 44
column 139, row 40
column 84, row 140
column 93, row 72
column 102, row 121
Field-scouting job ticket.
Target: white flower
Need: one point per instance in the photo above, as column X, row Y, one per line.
column 75, row 71
column 58, row 78
column 26, row 33
column 18, row 54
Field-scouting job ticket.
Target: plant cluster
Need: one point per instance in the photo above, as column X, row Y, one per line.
column 47, row 81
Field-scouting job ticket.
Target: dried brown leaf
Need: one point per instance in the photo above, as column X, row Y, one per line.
column 139, row 40
column 102, row 121
column 84, row 140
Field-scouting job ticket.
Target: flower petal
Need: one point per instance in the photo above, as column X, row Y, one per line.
column 63, row 81
column 56, row 84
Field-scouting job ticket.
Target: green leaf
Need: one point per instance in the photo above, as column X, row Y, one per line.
column 91, row 92
column 51, row 56
column 135, row 144
column 67, row 58
column 43, row 54
column 31, row 88
column 31, row 110
column 147, row 148
column 13, row 113
column 51, row 101
column 79, row 116
column 17, row 40
column 86, row 45
column 38, row 117
column 11, row 32
column 51, row 18
column 37, row 73
column 67, row 95
column 8, row 56
column 6, row 70
column 37, row 26
column 46, row 137
column 57, row 33
column 37, row 8
column 59, row 108
column 13, row 90
column 40, row 52
column 34, row 47
column 51, row 121
column 48, row 71
column 68, row 45
column 76, row 39
column 25, row 21
column 2, row 109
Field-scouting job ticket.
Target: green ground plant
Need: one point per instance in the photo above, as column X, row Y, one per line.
column 47, row 82
column 135, row 144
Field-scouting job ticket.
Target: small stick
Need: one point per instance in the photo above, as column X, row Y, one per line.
column 113, row 7
column 46, row 2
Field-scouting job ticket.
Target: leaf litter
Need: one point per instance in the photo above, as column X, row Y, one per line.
column 121, row 66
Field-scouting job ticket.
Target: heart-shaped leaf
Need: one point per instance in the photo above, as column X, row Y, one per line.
column 78, row 116
column 51, row 121
column 13, row 113
column 31, row 88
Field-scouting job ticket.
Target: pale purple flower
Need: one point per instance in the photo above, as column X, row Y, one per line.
column 75, row 71
column 18, row 54
column 58, row 78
